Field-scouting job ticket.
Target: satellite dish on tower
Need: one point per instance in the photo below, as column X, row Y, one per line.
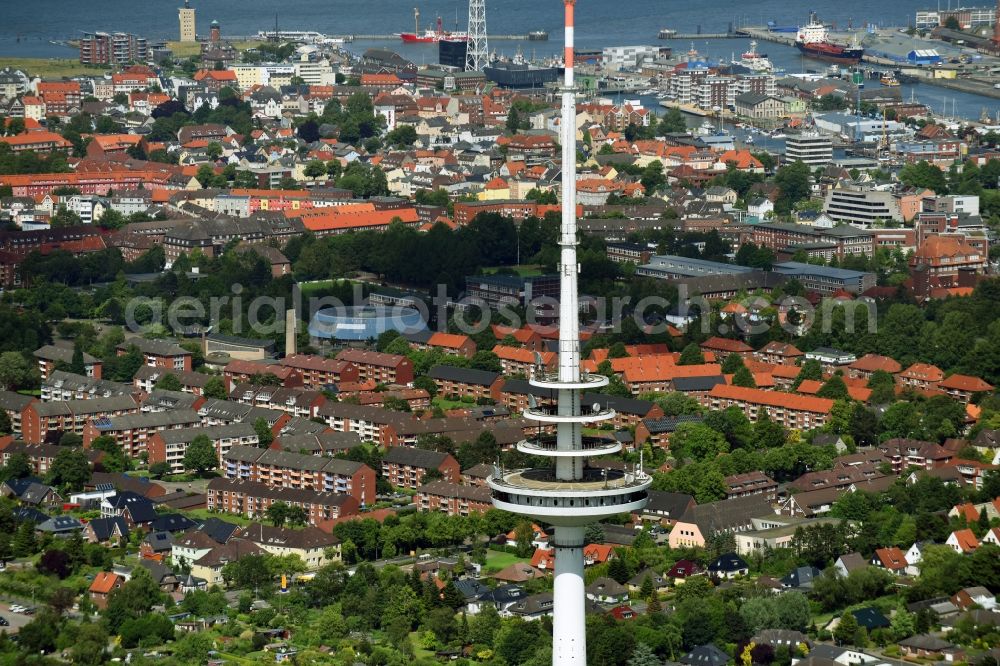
column 596, row 407
column 538, row 360
column 532, row 402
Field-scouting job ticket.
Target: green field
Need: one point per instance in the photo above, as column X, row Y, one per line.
column 51, row 68
column 497, row 560
column 188, row 49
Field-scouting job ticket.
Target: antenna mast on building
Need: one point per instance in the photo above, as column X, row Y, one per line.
column 478, row 52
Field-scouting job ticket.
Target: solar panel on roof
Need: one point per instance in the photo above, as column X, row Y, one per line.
column 104, row 487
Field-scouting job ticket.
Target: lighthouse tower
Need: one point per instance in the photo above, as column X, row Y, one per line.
column 568, row 493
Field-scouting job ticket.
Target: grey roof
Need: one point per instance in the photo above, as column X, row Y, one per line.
column 672, row 505
column 870, row 618
column 60, row 354
column 228, row 431
column 801, row 577
column 705, row 655
column 456, row 490
column 60, row 524
column 172, row 522
column 157, row 347
column 115, row 403
column 727, row 515
column 148, row 420
column 14, row 402
column 464, row 375
column 668, row 424
column 159, row 542
column 405, row 455
column 926, row 642
column 163, row 399
column 728, row 563
column 690, row 384
column 104, row 528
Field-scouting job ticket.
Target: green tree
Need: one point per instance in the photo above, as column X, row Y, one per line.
column 15, row 371
column 691, row 355
column 215, row 388
column 793, row 181
column 834, row 389
column 697, row 441
column 513, row 121
column 70, row 469
column 200, row 455
column 847, row 631
column 169, row 382
column 76, row 364
column 264, row 434
column 743, row 377
column 673, row 122
column 277, row 513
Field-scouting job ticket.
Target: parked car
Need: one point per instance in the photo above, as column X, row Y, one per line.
column 4, row 622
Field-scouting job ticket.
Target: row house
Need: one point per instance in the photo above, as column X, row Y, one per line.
column 906, row 453
column 14, row 405
column 723, row 347
column 751, row 483
column 379, row 367
column 62, row 385
column 518, row 361
column 778, row 353
column 295, row 401
column 920, row 376
column 41, row 421
column 453, row 499
column 457, row 383
column 224, row 412
column 50, row 357
column 370, row 423
column 146, row 378
column 790, row 410
column 869, row 364
column 241, row 372
column 132, row 431
column 843, row 240
column 406, row 467
column 40, row 456
column 963, row 387
column 416, row 399
column 159, row 353
column 839, row 478
column 318, row 372
column 449, row 343
column 287, row 469
column 252, row 500
column 648, row 375
column 170, row 446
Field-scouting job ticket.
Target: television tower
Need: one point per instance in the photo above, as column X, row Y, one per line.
column 477, row 55
column 568, row 493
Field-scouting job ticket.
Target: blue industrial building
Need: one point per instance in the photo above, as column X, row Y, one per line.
column 364, row 322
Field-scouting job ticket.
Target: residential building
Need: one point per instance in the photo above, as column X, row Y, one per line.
column 790, row 410
column 133, row 431
column 170, row 446
column 453, row 499
column 252, row 500
column 378, row 367
column 406, row 467
column 704, row 520
column 287, row 469
column 811, row 148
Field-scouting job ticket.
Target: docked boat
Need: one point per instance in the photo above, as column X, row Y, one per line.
column 888, row 80
column 432, row 35
column 813, row 40
column 755, row 62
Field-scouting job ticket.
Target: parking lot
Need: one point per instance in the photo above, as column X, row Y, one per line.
column 17, row 620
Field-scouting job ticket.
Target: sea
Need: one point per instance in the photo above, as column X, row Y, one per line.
column 39, row 29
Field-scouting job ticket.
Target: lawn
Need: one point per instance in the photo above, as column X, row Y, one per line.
column 51, row 68
column 203, row 514
column 446, row 404
column 188, row 49
column 497, row 560
column 524, row 270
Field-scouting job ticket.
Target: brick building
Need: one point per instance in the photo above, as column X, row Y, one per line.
column 252, row 500
column 378, row 367
column 405, row 467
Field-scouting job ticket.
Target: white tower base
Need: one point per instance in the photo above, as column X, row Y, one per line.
column 569, row 636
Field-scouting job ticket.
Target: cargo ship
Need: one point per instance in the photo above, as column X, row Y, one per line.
column 813, row 40
column 431, row 35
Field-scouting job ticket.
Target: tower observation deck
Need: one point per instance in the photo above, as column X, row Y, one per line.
column 568, row 493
